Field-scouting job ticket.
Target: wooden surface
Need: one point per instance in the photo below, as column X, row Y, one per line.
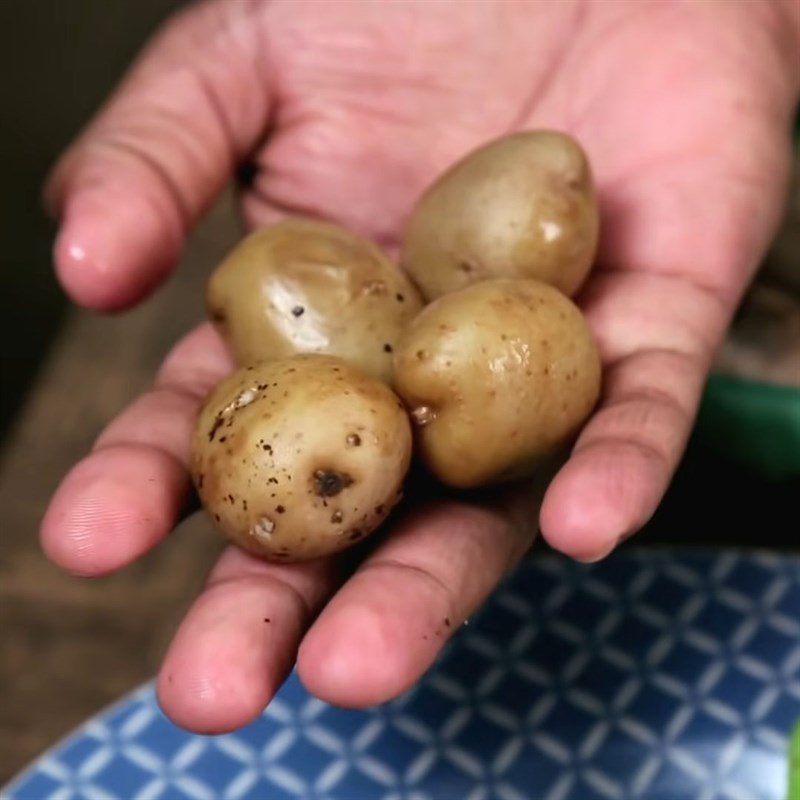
column 69, row 646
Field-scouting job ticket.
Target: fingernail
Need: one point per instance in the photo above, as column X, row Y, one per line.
column 599, row 556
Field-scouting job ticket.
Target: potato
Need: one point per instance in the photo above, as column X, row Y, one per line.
column 497, row 376
column 301, row 457
column 521, row 207
column 308, row 287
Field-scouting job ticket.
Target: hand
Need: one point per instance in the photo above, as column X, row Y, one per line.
column 345, row 110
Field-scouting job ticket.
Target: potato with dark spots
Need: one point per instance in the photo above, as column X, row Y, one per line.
column 314, row 450
column 519, row 207
column 309, row 287
column 496, row 376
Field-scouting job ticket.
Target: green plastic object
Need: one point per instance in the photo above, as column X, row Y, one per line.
column 794, row 764
column 757, row 424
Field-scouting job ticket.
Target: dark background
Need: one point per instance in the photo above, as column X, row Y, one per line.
column 68, row 647
column 58, row 60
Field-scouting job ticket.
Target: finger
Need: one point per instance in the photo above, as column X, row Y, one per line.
column 167, row 142
column 384, row 628
column 656, row 336
column 239, row 640
column 128, row 493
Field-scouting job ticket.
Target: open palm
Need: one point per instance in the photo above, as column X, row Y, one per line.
column 346, row 110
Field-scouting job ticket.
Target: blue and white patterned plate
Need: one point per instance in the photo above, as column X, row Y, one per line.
column 659, row 675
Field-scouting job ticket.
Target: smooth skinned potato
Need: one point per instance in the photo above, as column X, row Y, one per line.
column 302, row 286
column 520, row 207
column 496, row 376
column 301, row 457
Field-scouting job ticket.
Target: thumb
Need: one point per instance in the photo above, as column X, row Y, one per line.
column 128, row 190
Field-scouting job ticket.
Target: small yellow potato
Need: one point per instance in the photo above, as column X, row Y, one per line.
column 496, row 376
column 302, row 286
column 301, row 457
column 520, row 207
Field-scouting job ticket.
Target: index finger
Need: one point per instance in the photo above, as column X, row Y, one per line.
column 160, row 150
